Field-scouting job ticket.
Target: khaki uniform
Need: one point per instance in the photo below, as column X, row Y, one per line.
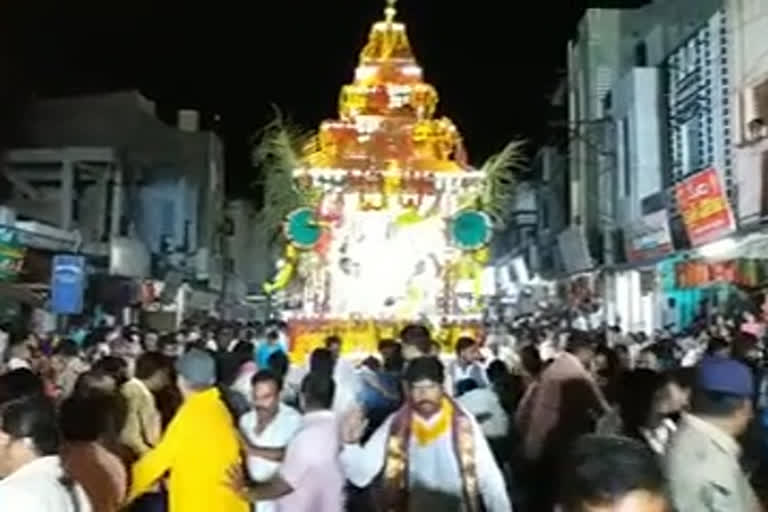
column 702, row 465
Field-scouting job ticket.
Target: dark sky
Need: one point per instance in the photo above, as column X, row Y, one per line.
column 494, row 63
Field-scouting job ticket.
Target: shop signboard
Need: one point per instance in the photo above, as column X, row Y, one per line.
column 11, row 254
column 649, row 237
column 68, row 284
column 706, row 211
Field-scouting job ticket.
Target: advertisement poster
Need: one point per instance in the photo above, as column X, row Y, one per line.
column 649, row 237
column 706, row 212
column 68, row 284
column 11, row 254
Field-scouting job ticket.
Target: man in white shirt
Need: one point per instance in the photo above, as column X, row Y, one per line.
column 467, row 364
column 267, row 430
column 33, row 479
column 429, row 455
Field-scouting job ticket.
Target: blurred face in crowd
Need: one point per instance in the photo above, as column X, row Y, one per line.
column 647, row 360
column 335, row 348
column 265, row 398
column 426, row 397
column 470, row 354
column 150, row 341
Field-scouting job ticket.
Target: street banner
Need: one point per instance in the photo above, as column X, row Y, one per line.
column 649, row 237
column 68, row 284
column 706, row 211
column 11, row 254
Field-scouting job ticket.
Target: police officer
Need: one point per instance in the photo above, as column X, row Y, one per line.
column 702, row 462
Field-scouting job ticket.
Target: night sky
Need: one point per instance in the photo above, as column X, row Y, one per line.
column 495, row 64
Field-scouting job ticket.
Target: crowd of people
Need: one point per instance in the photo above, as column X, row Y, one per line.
column 216, row 417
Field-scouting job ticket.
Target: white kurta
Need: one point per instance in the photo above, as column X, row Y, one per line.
column 36, row 487
column 434, row 472
column 276, row 435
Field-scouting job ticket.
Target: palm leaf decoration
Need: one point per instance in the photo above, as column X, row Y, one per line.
column 497, row 198
column 277, row 152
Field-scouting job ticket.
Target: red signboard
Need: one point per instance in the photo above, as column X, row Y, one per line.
column 706, row 212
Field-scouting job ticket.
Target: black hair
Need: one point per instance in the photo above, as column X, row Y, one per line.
column 150, row 363
column 395, row 362
column 244, row 348
column 116, row 367
column 716, row 345
column 464, row 343
column 32, row 417
column 466, row 385
column 20, row 383
column 685, row 377
column 85, row 385
column 318, row 389
column 635, row 399
column 98, row 416
column 417, row 336
column 278, row 363
column 497, row 371
column 425, row 368
column 386, row 344
column 530, row 358
column 272, row 335
column 372, row 363
column 716, row 404
column 601, row 470
column 321, row 361
column 267, row 376
column 332, row 340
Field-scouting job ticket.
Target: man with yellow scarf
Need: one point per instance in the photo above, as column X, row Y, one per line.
column 429, row 455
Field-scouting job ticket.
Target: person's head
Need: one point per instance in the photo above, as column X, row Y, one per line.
column 467, row 351
column 94, row 382
column 671, row 302
column 636, row 397
column 612, row 474
column 425, row 377
column 265, row 394
column 272, row 337
column 117, row 367
column 64, row 352
column 623, row 357
column 333, row 344
column 154, row 370
column 225, row 336
column 648, row 360
column 28, row 431
column 317, row 390
column 582, row 348
column 98, row 417
column 386, row 348
column 497, row 371
column 723, row 394
column 151, row 340
column 278, row 363
column 20, row 383
column 372, row 364
column 718, row 347
column 196, row 372
column 416, row 341
column 530, row 360
column 674, row 396
column 321, row 361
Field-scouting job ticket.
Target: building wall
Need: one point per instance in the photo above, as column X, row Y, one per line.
column 748, row 33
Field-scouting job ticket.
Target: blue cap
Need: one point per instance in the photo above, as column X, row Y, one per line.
column 724, row 375
column 198, row 367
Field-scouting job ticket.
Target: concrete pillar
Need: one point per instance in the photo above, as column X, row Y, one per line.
column 66, row 195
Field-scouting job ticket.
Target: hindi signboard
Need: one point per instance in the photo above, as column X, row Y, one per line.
column 706, row 211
